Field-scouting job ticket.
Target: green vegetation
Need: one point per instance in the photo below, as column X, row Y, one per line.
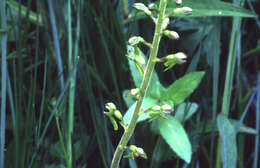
column 64, row 61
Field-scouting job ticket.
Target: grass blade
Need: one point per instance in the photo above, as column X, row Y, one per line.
column 257, row 122
column 3, row 81
column 56, row 43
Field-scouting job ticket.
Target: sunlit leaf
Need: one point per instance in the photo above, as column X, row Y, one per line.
column 174, row 134
column 183, row 87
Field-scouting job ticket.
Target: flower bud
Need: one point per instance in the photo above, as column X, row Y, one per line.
column 178, row 2
column 180, row 56
column 118, row 114
column 166, row 107
column 173, row 59
column 140, row 152
column 171, row 34
column 135, row 40
column 142, row 7
column 184, row 10
column 165, row 23
column 135, row 91
column 152, row 6
column 156, row 108
column 110, row 106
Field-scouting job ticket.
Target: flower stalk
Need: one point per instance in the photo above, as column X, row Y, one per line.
column 147, row 75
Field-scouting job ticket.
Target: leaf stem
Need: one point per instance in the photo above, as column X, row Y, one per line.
column 147, row 75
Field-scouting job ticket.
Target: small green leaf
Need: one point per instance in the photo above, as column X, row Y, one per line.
column 228, row 139
column 185, row 110
column 175, row 135
column 147, row 103
column 183, row 87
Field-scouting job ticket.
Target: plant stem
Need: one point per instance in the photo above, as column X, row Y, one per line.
column 71, row 91
column 147, row 75
column 125, row 7
column 3, row 82
column 232, row 55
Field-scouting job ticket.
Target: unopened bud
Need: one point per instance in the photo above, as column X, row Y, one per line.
column 156, row 108
column 184, row 10
column 180, row 57
column 152, row 6
column 142, row 7
column 110, row 106
column 140, row 152
column 166, row 108
column 165, row 23
column 178, row 2
column 135, row 91
column 135, row 40
column 171, row 34
column 174, row 59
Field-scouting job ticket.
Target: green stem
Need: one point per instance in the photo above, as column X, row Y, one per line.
column 3, row 83
column 229, row 76
column 125, row 7
column 147, row 75
column 71, row 92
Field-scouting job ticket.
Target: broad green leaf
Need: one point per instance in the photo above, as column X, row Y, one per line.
column 174, row 134
column 185, row 110
column 147, row 103
column 228, row 139
column 183, row 87
column 201, row 8
column 154, row 88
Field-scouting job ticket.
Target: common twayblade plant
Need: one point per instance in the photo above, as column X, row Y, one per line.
column 153, row 101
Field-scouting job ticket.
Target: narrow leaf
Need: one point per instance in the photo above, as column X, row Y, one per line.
column 175, row 136
column 228, row 139
column 185, row 110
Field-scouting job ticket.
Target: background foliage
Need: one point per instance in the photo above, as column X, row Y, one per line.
column 39, row 71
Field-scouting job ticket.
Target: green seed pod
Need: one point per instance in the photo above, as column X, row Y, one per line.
column 118, row 115
column 132, row 148
column 113, row 122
